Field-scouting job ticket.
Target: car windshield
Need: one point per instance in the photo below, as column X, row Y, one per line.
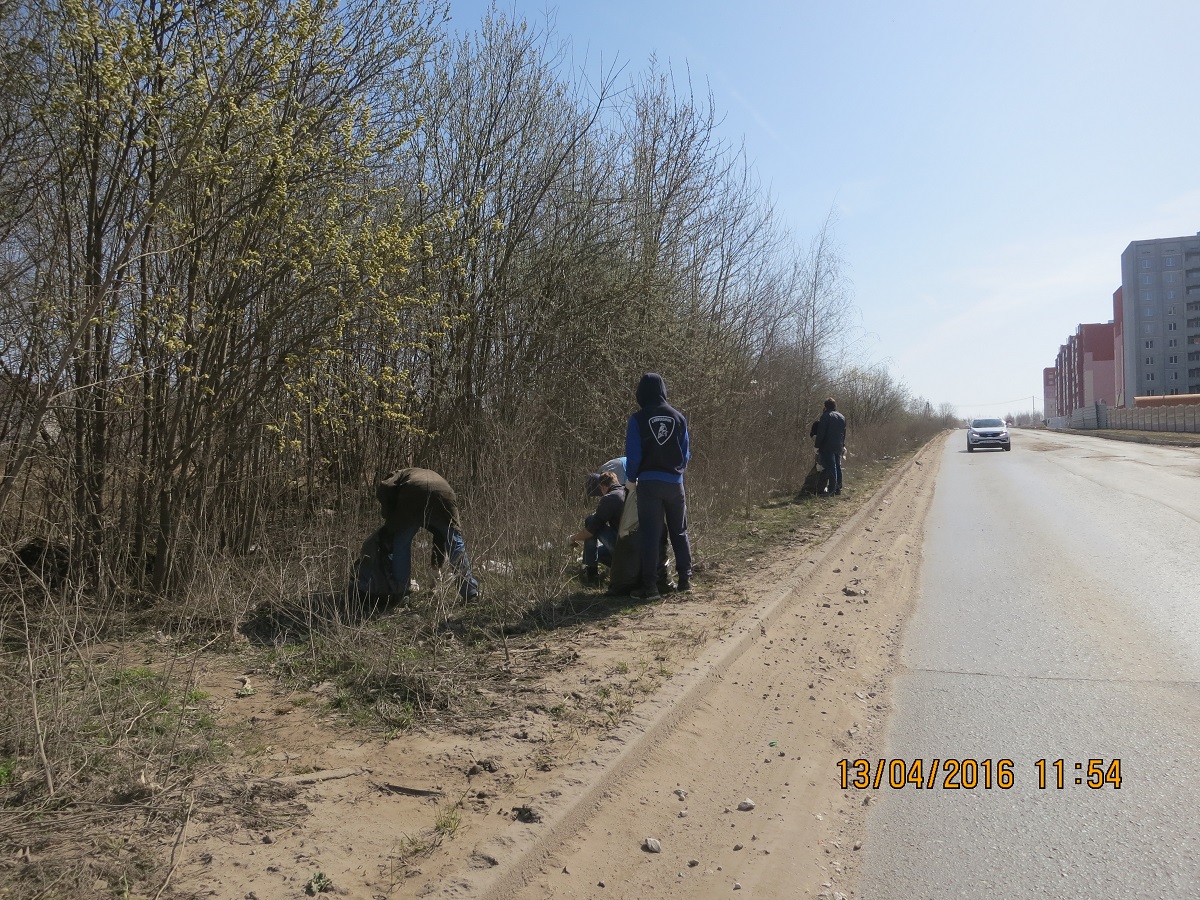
column 987, row 423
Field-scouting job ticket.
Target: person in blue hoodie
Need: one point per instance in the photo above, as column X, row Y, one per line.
column 656, row 455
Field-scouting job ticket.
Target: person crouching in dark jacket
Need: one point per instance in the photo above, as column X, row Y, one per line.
column 409, row 500
column 599, row 532
column 818, row 479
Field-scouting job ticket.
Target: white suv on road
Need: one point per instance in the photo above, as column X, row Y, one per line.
column 987, row 433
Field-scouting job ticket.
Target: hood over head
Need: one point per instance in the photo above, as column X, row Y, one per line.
column 651, row 390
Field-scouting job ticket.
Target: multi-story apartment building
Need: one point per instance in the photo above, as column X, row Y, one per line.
column 1085, row 369
column 1095, row 363
column 1118, row 348
column 1064, row 378
column 1160, row 316
column 1049, row 393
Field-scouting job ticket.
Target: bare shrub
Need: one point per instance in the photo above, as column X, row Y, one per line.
column 248, row 266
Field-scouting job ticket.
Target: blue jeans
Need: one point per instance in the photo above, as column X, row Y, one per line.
column 660, row 502
column 449, row 543
column 599, row 549
column 831, row 462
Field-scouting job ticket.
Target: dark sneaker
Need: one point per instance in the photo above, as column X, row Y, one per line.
column 685, row 585
column 645, row 593
column 591, row 576
column 665, row 586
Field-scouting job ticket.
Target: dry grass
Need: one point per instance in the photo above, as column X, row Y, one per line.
column 107, row 746
column 102, row 755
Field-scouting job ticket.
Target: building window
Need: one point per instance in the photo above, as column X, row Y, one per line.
column 1171, row 295
column 1174, row 376
column 1173, row 359
column 1146, row 263
column 1147, row 279
column 1148, row 328
column 1171, row 326
column 1172, row 310
column 1169, row 261
column 1168, row 278
column 1150, row 345
column 1173, row 391
column 1147, row 310
column 1149, row 376
column 1172, row 342
column 1149, row 360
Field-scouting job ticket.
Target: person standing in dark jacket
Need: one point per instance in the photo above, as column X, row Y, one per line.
column 831, row 442
column 656, row 454
column 411, row 499
column 599, row 532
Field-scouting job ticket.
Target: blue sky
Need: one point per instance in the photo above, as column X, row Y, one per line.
column 988, row 161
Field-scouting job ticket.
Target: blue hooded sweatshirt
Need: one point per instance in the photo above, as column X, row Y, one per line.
column 656, row 441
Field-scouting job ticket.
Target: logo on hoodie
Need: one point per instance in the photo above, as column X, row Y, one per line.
column 662, row 427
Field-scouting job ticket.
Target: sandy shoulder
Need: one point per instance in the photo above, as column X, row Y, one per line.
column 809, row 687
column 753, row 690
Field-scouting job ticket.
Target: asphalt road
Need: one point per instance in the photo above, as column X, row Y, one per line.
column 1058, row 619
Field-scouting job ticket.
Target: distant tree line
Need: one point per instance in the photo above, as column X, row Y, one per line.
column 254, row 255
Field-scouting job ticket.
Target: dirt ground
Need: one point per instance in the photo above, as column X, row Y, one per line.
column 657, row 726
column 1164, row 438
